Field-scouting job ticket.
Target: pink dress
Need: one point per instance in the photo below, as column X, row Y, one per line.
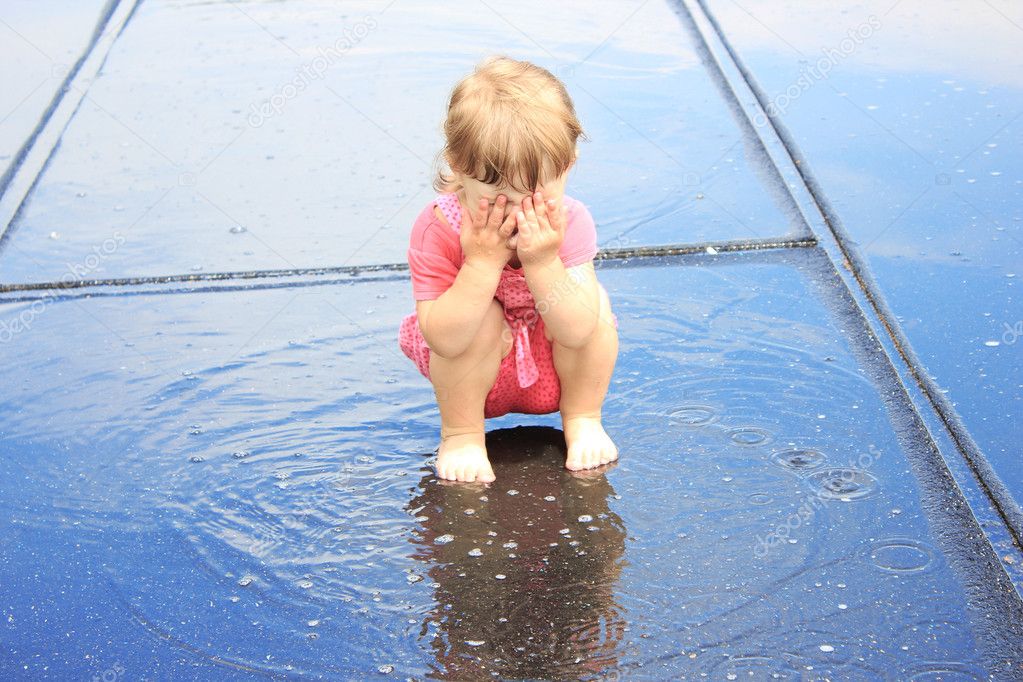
column 526, row 381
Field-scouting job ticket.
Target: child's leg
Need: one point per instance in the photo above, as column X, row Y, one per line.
column 461, row 385
column 585, row 373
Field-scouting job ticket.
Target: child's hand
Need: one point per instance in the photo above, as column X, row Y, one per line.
column 486, row 241
column 541, row 229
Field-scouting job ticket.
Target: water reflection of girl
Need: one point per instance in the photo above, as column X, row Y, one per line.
column 523, row 569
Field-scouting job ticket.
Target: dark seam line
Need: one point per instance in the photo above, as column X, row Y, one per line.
column 19, row 158
column 992, row 486
column 354, row 270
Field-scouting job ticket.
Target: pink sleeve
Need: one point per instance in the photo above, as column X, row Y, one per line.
column 434, row 256
column 580, row 244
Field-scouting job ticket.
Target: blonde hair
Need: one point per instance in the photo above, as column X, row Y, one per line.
column 508, row 122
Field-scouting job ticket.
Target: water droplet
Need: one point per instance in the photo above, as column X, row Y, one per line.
column 245, row 581
column 693, row 415
column 550, row 498
column 513, row 492
column 749, row 435
column 510, row 545
column 500, row 576
column 585, row 518
column 827, row 648
column 565, row 531
column 413, row 577
column 475, row 642
column 444, row 539
column 241, row 454
column 196, row 459
column 992, row 344
column 469, row 512
column 238, row 229
column 798, row 460
column 475, row 551
column 385, row 669
column 54, row 235
column 843, row 484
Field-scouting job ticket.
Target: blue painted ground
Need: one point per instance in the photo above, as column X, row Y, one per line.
column 231, row 477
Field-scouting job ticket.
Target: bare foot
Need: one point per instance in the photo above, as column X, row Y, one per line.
column 463, row 457
column 588, row 444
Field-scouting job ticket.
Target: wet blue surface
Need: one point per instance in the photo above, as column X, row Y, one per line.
column 227, row 480
column 38, row 53
column 293, row 123
column 915, row 136
column 245, row 478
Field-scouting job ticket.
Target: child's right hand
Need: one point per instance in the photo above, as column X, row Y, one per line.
column 485, row 243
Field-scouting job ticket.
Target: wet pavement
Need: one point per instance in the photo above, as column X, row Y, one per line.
column 215, row 475
column 925, row 177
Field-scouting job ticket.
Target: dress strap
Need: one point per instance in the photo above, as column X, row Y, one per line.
column 451, row 209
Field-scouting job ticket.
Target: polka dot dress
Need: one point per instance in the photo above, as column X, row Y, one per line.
column 526, row 381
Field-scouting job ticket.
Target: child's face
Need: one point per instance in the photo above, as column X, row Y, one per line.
column 474, row 190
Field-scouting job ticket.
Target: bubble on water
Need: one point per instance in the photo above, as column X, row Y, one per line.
column 510, row 545
column 798, row 460
column 313, row 623
column 513, row 492
column 585, row 518
column 444, row 539
column 413, row 577
column 550, row 498
column 195, row 459
column 469, row 512
column 385, row 669
column 749, row 435
column 475, row 551
column 592, row 528
column 245, row 581
column 827, row 648
column 693, row 415
column 240, row 454
column 842, row 484
column 500, row 576
column 305, row 584
column 760, row 498
column 54, row 235
column 992, row 344
column 565, row 531
column 474, row 642
column 238, row 229
column 80, row 194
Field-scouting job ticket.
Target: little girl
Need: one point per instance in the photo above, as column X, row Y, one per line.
column 509, row 314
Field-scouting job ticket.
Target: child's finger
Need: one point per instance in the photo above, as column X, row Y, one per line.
column 541, row 207
column 523, row 224
column 527, row 207
column 482, row 209
column 508, row 226
column 497, row 212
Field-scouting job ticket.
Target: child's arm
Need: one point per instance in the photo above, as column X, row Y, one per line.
column 451, row 321
column 567, row 299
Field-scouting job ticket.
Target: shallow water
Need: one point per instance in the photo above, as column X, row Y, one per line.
column 227, row 136
column 247, row 477
column 915, row 137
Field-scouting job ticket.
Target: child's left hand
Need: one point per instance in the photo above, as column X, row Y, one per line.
column 541, row 230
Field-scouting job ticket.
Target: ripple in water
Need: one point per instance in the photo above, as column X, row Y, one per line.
column 693, row 415
column 798, row 460
column 843, row 484
column 900, row 555
column 951, row 671
column 749, row 435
